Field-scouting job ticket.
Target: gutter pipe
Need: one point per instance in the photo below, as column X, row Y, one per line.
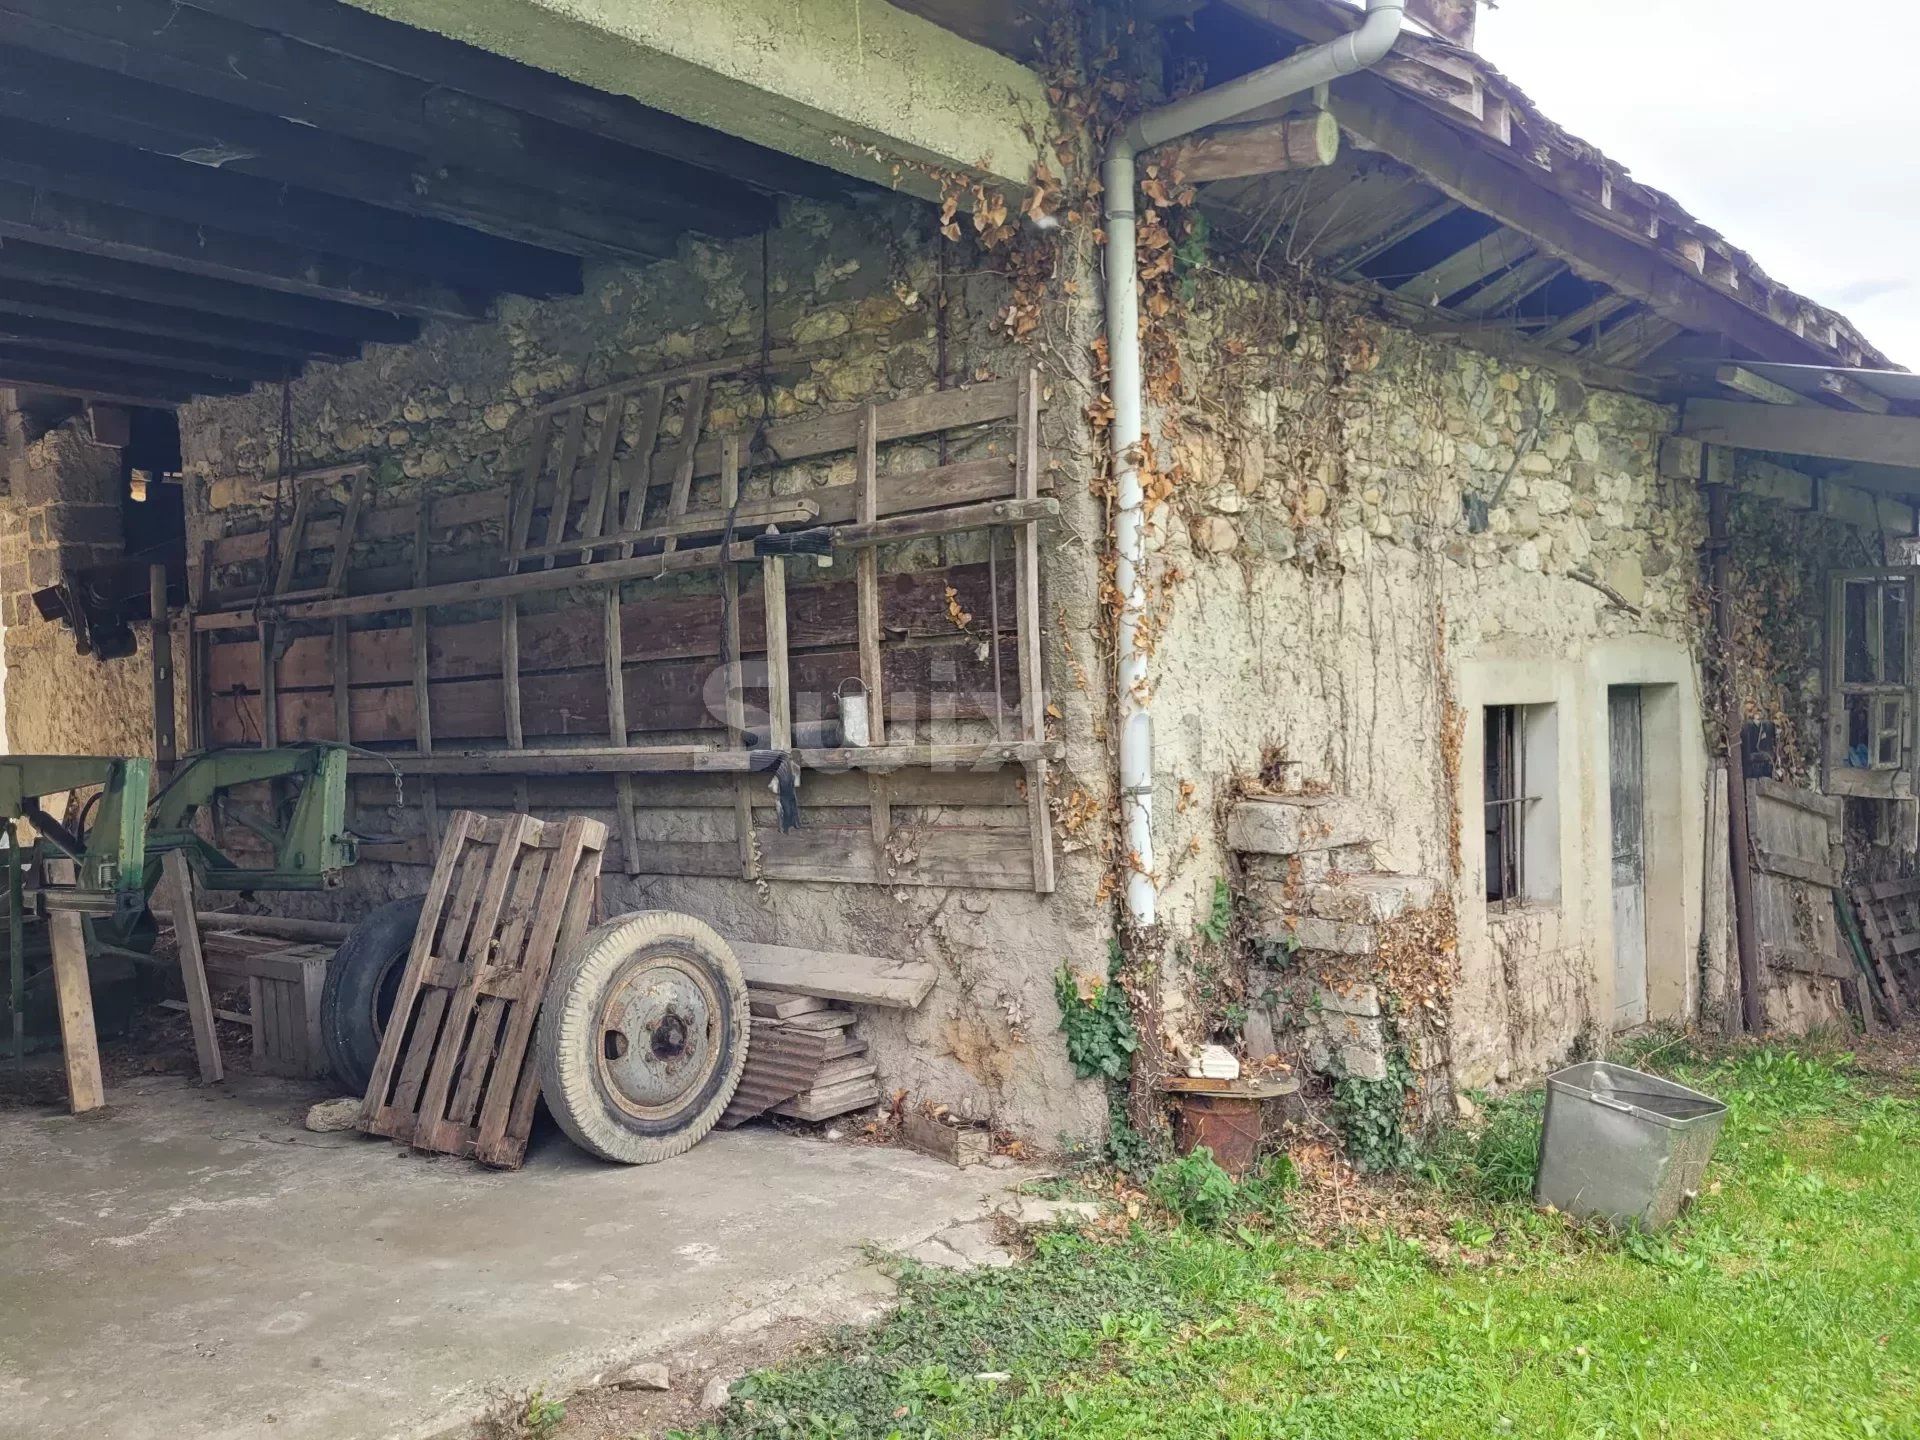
column 1357, row 50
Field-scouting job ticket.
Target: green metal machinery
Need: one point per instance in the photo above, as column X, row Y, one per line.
column 106, row 862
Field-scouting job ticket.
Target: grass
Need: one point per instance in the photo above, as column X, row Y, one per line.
column 1786, row 1303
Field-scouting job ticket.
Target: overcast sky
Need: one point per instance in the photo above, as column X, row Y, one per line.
column 1787, row 126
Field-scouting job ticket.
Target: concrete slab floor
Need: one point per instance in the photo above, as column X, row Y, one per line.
column 192, row 1262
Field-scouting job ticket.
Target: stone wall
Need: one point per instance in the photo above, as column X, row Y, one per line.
column 63, row 513
column 1334, row 624
column 856, row 289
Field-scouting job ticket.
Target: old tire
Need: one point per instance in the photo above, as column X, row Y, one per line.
column 642, row 1036
column 358, row 996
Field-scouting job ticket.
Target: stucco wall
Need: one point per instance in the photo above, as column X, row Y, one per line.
column 857, row 286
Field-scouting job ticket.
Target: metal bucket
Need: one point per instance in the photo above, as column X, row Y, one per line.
column 1624, row 1146
column 854, row 726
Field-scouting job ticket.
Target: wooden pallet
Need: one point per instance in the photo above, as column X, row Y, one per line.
column 1889, row 912
column 507, row 896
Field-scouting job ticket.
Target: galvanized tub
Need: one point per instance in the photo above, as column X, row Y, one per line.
column 1624, row 1146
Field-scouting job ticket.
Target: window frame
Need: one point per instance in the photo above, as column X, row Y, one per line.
column 1891, row 705
column 1503, row 766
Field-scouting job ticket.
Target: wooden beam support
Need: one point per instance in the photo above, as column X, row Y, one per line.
column 1744, row 382
column 117, row 233
column 1466, row 267
column 1849, row 391
column 108, row 380
column 1028, row 624
column 736, row 700
column 65, row 343
column 19, row 298
column 1499, row 297
column 1452, row 162
column 176, row 890
column 1300, row 142
column 1807, row 430
column 617, row 725
column 79, row 1044
column 1576, row 329
column 642, row 225
column 701, row 759
column 127, row 280
column 866, row 473
column 79, row 166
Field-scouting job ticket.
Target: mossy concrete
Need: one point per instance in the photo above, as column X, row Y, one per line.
column 824, row 80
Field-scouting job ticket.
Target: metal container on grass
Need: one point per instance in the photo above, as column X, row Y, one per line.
column 1623, row 1145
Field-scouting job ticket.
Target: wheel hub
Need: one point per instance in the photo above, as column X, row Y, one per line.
column 659, row 1034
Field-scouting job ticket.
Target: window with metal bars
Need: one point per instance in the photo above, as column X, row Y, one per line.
column 1507, row 803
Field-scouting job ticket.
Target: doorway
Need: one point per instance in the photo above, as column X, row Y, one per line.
column 1628, row 803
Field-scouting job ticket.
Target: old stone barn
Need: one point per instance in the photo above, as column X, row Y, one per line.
column 1310, row 553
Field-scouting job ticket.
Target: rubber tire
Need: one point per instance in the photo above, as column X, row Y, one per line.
column 565, row 1046
column 349, row 1021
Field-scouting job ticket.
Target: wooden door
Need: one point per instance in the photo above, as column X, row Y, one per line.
column 1627, row 794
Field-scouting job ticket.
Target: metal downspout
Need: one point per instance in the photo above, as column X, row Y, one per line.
column 1298, row 73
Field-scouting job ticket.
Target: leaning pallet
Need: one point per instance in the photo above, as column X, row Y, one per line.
column 507, row 896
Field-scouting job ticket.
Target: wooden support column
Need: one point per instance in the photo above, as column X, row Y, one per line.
column 593, row 520
column 617, row 727
column 736, row 700
column 79, row 1045
column 519, row 519
column 1027, row 619
column 638, row 476
column 1739, row 849
column 176, row 887
column 165, row 743
column 687, row 452
column 336, row 585
column 269, row 633
column 773, row 595
column 422, row 706
column 866, row 477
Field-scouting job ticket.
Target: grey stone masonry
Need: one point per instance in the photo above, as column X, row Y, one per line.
column 1297, row 824
column 64, row 514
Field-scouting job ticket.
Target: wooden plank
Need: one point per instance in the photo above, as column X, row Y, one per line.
column 637, row 476
column 1806, row 430
column 836, row 975
column 1830, row 808
column 594, row 522
column 902, row 419
column 79, row 1047
column 1027, row 623
column 349, row 530
column 176, row 888
column 773, row 591
column 342, row 682
column 867, row 626
column 784, row 511
column 643, row 759
column 422, row 691
column 736, row 702
column 1803, row 961
column 1756, row 387
column 692, row 416
column 563, row 483
column 1794, row 868
column 617, row 726
column 160, row 642
column 779, row 1005
column 1466, row 266
column 824, row 1104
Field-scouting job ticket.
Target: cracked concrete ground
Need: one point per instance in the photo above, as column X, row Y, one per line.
column 194, row 1263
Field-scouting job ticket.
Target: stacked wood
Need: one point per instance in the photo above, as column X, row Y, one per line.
column 804, row 1062
column 1889, row 913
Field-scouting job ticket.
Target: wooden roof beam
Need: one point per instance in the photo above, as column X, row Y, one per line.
column 113, row 232
column 1744, row 382
column 1574, row 327
column 87, row 307
column 214, row 58
column 45, row 265
column 1502, row 294
column 1806, row 430
column 97, row 103
column 1454, row 164
column 1851, row 392
column 1301, row 142
column 151, row 386
column 1466, row 267
column 91, row 169
column 61, row 339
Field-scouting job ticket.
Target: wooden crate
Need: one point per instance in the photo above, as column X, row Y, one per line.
column 454, row 1072
column 283, row 998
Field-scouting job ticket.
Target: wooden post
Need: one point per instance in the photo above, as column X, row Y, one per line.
column 165, row 743
column 78, row 1044
column 422, row 699
column 1027, row 617
column 176, row 884
column 866, row 575
column 1739, row 849
column 736, row 703
column 617, row 726
column 773, row 596
column 563, row 481
column 16, row 947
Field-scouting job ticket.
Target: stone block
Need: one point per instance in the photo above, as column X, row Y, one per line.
column 1294, row 824
column 1335, row 937
column 1369, row 899
column 1359, row 1001
column 84, row 524
column 43, row 568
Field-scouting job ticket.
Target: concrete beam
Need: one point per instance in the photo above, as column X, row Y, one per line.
column 818, row 79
